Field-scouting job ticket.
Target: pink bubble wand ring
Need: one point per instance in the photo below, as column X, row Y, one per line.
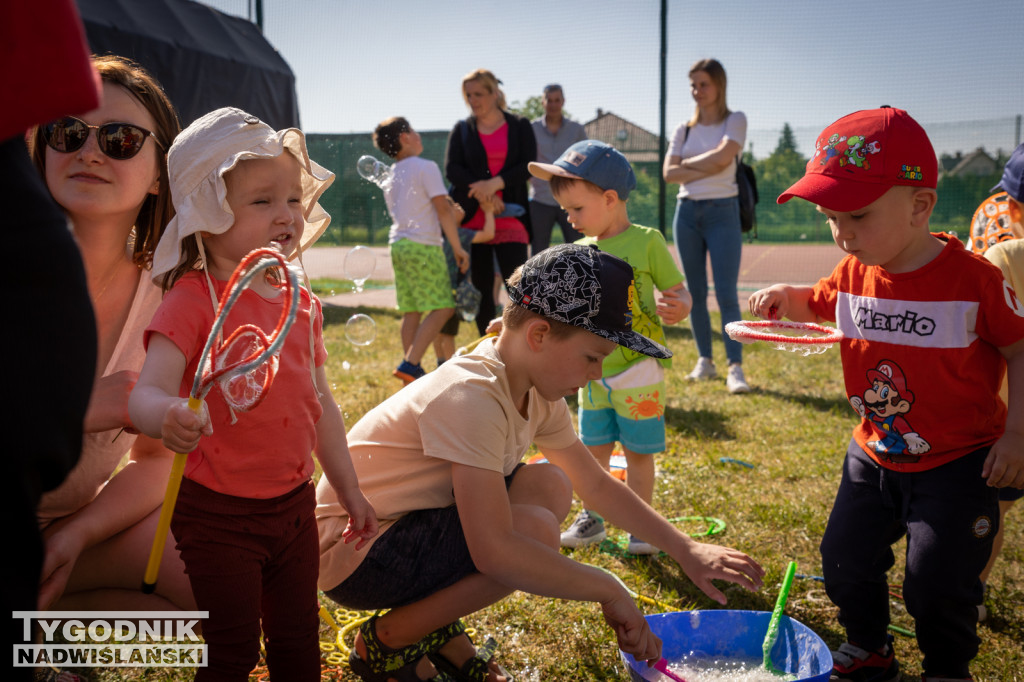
column 243, row 366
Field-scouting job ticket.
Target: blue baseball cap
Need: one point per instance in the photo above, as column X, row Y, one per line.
column 1013, row 175
column 593, row 161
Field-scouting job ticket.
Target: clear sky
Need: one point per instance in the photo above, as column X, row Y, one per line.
column 952, row 64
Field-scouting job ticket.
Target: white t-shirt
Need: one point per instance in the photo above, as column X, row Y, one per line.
column 404, row 448
column 703, row 138
column 415, row 181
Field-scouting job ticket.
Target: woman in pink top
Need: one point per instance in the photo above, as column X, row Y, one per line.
column 108, row 170
column 486, row 160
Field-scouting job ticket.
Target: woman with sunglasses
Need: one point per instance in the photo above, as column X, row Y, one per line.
column 108, row 170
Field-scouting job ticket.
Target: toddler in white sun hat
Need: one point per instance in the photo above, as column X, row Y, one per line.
column 244, row 519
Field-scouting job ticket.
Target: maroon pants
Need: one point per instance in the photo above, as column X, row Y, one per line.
column 248, row 561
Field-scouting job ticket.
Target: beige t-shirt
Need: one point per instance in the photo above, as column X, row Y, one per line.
column 1008, row 256
column 103, row 451
column 403, row 449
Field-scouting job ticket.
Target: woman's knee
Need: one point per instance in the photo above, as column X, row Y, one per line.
column 119, row 561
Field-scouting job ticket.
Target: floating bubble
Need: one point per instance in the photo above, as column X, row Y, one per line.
column 359, row 265
column 360, row 330
column 373, row 170
column 346, row 366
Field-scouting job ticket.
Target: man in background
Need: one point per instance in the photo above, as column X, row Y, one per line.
column 554, row 134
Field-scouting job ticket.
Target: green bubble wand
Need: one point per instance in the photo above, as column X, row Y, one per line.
column 773, row 624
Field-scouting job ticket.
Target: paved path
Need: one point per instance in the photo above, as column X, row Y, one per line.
column 760, row 265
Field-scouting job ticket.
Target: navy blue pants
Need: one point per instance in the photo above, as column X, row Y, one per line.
column 481, row 268
column 949, row 516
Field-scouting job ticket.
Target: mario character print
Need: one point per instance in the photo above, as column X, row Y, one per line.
column 884, row 403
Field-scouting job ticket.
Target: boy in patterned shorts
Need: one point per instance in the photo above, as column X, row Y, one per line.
column 417, row 200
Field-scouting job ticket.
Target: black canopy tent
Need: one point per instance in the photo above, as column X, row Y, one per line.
column 205, row 59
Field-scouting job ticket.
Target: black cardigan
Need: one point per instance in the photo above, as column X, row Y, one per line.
column 465, row 162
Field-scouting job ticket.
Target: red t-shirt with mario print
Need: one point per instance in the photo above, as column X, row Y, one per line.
column 921, row 356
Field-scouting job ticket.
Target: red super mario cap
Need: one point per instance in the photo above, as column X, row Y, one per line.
column 859, row 157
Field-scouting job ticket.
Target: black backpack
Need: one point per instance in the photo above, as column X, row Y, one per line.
column 747, row 184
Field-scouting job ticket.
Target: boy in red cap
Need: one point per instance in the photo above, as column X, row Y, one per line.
column 930, row 330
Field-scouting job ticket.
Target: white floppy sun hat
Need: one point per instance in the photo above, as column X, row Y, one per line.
column 197, row 162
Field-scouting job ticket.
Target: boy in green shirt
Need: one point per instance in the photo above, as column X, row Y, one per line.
column 592, row 182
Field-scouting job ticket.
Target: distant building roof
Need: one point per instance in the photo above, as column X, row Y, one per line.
column 977, row 162
column 637, row 144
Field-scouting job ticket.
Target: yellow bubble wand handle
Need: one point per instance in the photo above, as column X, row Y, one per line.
column 470, row 346
column 163, row 525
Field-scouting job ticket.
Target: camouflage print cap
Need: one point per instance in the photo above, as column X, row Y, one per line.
column 586, row 288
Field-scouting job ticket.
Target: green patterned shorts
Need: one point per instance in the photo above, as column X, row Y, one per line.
column 421, row 277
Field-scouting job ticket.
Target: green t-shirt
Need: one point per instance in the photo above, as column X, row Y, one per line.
column 653, row 266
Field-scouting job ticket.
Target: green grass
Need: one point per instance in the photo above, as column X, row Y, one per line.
column 793, row 427
column 326, row 286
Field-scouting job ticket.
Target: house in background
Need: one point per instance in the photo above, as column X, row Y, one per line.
column 637, row 144
column 976, row 163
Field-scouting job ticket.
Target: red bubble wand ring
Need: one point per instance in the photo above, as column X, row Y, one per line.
column 806, row 338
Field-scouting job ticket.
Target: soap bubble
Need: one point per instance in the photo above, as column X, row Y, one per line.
column 360, row 330
column 373, row 170
column 359, row 265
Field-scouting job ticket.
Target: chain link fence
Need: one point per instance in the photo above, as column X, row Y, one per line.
column 360, row 216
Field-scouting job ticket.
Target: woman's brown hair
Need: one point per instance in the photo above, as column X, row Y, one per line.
column 714, row 69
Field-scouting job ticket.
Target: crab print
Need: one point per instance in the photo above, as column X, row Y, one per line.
column 647, row 406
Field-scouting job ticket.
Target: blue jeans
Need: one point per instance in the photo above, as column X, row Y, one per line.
column 711, row 226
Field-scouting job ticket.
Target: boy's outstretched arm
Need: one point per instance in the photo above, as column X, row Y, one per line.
column 1004, row 466
column 521, row 552
column 450, row 227
column 336, row 463
column 619, row 505
column 783, row 301
column 154, row 405
column 674, row 304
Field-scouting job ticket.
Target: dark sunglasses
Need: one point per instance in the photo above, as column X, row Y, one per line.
column 119, row 141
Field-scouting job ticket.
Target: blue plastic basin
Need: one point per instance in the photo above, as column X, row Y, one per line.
column 798, row 650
